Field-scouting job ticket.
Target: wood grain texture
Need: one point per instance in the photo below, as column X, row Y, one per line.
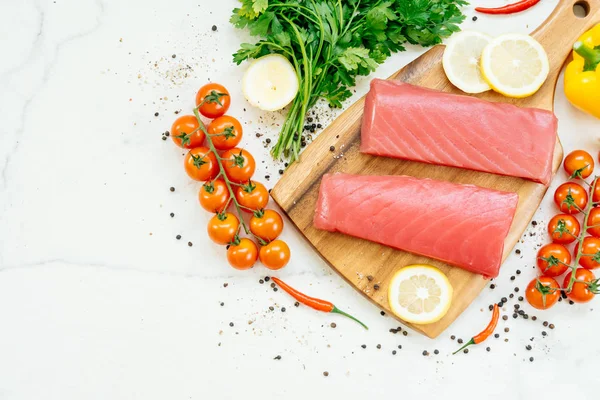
column 355, row 259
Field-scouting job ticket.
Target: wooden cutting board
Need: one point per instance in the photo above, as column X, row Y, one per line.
column 355, row 259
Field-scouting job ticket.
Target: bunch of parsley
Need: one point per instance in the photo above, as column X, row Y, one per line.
column 331, row 42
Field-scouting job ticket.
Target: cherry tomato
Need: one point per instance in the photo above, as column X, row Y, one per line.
column 564, row 228
column 201, row 164
column 228, row 131
column 214, row 196
column 542, row 293
column 275, row 255
column 584, row 291
column 186, row 132
column 213, row 99
column 242, row 254
column 266, row 224
column 595, row 191
column 570, row 198
column 593, row 221
column 223, row 227
column 579, row 164
column 239, row 165
column 591, row 246
column 551, row 259
column 253, row 195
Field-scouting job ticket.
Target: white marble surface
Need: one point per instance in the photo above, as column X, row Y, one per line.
column 99, row 301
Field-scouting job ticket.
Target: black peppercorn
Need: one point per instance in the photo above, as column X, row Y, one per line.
column 214, row 28
column 178, row 237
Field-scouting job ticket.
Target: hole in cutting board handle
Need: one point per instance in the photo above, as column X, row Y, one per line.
column 581, row 9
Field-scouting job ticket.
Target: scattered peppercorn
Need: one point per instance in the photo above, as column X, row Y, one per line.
column 225, row 284
column 222, row 304
column 551, row 326
column 405, row 333
column 400, row 347
column 496, row 335
column 325, row 373
column 545, row 323
column 172, row 215
column 164, row 138
column 515, row 315
column 520, row 298
column 394, row 352
column 518, row 251
column 379, row 346
column 504, row 300
column 267, row 279
column 452, row 337
column 296, row 304
column 518, row 272
column 178, row 237
column 376, row 286
column 425, row 353
column 510, row 296
column 231, row 324
column 505, row 317
column 364, row 346
column 156, row 114
column 275, row 289
column 544, row 333
column 474, row 18
column 190, row 244
column 333, row 325
column 466, row 351
column 261, row 281
column 531, row 359
column 436, row 351
column 282, row 309
column 516, row 290
column 382, row 313
column 512, row 278
column 534, row 318
column 534, row 223
column 271, row 308
column 507, row 329
column 492, row 286
column 460, row 341
column 528, row 347
column 277, row 358
column 214, row 28
column 172, row 189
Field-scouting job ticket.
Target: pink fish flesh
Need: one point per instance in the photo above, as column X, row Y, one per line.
column 414, row 123
column 463, row 225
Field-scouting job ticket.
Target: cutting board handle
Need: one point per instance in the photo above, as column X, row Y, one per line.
column 562, row 28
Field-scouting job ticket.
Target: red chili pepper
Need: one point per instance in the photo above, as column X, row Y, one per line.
column 509, row 8
column 486, row 332
column 317, row 304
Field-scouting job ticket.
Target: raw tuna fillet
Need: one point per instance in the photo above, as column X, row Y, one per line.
column 414, row 123
column 463, row 225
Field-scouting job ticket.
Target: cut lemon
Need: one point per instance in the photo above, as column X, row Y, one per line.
column 515, row 65
column 461, row 61
column 270, row 82
column 420, row 294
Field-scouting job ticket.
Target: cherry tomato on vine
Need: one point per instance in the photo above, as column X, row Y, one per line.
column 571, row 198
column 239, row 165
column 242, row 254
column 252, row 195
column 186, row 132
column 201, row 164
column 213, row 99
column 553, row 259
column 542, row 293
column 275, row 255
column 584, row 291
column 223, row 227
column 579, row 164
column 595, row 191
column 564, row 228
column 266, row 224
column 226, row 132
column 214, row 196
column 593, row 222
column 590, row 246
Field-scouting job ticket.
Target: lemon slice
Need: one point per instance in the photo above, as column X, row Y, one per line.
column 461, row 61
column 515, row 65
column 420, row 294
column 270, row 82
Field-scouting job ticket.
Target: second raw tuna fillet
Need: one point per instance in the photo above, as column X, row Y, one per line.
column 414, row 123
column 463, row 225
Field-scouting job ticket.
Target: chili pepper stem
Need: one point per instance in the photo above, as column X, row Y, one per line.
column 469, row 343
column 338, row 311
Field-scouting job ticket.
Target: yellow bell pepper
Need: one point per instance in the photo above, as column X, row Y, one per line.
column 582, row 76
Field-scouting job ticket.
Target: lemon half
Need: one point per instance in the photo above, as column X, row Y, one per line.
column 420, row 294
column 270, row 82
column 515, row 65
column 461, row 61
